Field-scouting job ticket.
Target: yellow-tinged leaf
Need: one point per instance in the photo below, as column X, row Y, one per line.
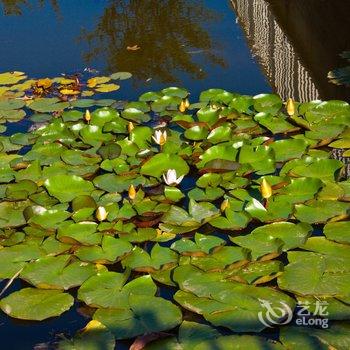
column 65, row 81
column 10, row 78
column 69, row 92
column 93, row 82
column 87, row 93
column 107, row 87
column 92, row 326
column 265, row 189
column 44, row 83
column 346, row 153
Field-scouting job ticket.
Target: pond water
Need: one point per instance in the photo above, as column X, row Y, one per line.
column 197, row 44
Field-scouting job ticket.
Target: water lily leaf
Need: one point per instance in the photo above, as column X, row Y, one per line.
column 301, row 189
column 108, row 289
column 225, row 151
column 135, row 115
column 103, row 115
column 107, row 87
column 208, row 115
column 338, row 231
column 196, row 133
column 10, row 78
column 110, row 251
column 143, row 314
column 268, row 103
column 223, row 303
column 36, row 304
column 220, row 259
column 94, row 336
column 150, row 96
column 316, row 274
column 175, row 91
column 117, row 183
column 318, row 211
column 281, row 235
column 201, row 243
column 257, row 272
column 162, row 162
column 48, row 219
column 329, row 111
column 323, row 169
column 48, row 105
column 11, row 213
column 336, row 336
column 209, row 194
column 140, row 260
column 288, row 149
column 81, row 232
column 56, row 272
column 220, row 134
column 67, row 187
column 121, row 76
column 276, row 124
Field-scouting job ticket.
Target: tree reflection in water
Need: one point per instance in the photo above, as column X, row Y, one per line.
column 170, row 34
column 14, row 7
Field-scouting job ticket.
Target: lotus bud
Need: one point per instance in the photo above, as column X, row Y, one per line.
column 290, row 107
column 224, row 205
column 101, row 213
column 131, row 127
column 132, row 192
column 182, row 107
column 87, row 116
column 160, row 137
column 187, row 103
column 171, row 179
column 265, row 189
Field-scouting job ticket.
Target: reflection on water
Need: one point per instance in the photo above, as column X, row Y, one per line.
column 168, row 33
column 192, row 43
column 297, row 43
column 275, row 53
column 15, row 7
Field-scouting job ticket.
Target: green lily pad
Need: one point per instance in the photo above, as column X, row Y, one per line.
column 143, row 314
column 67, row 187
column 36, row 304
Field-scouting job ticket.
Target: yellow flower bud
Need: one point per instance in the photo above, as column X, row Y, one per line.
column 290, row 107
column 132, row 192
column 224, row 205
column 265, row 189
column 182, row 107
column 87, row 116
column 131, row 127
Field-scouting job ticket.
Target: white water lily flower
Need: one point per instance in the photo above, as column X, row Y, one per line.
column 160, row 137
column 101, row 213
column 170, row 178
